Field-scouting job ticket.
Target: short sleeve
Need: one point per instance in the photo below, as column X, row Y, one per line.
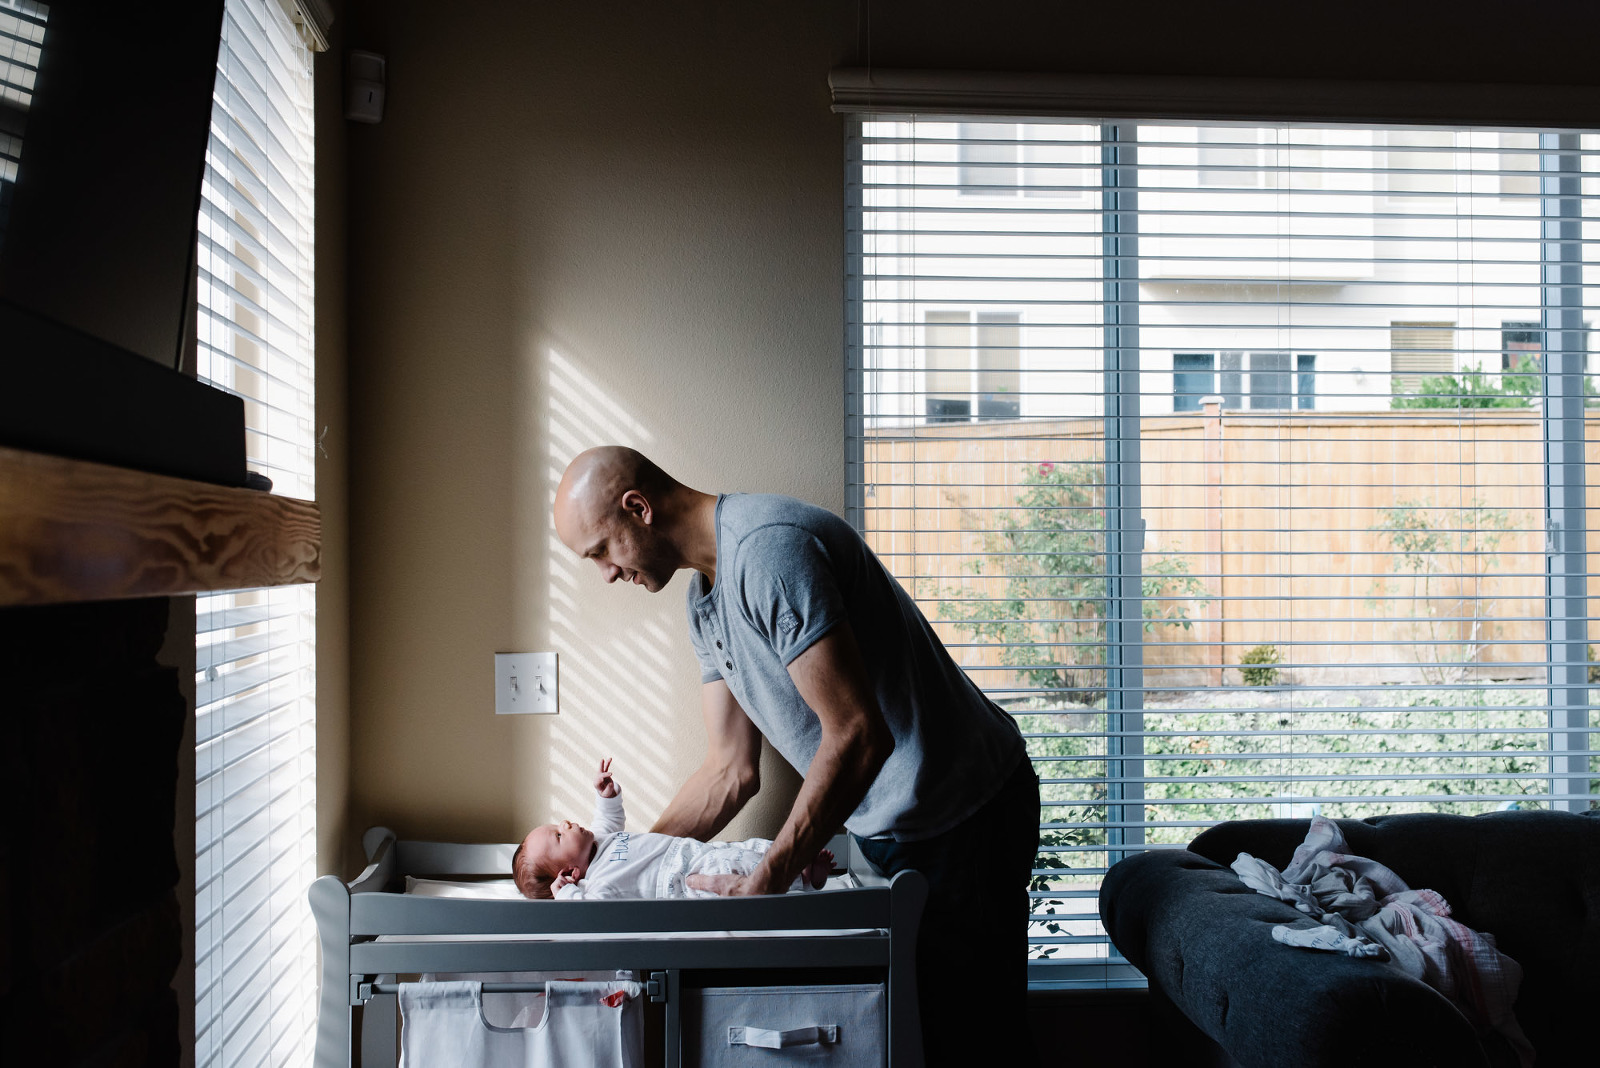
column 788, row 588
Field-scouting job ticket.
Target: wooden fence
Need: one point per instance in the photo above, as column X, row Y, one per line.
column 1279, row 515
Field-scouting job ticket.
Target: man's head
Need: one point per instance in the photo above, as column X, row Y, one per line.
column 546, row 852
column 614, row 506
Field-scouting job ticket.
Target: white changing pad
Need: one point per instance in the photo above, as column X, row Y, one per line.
column 479, row 889
column 506, row 890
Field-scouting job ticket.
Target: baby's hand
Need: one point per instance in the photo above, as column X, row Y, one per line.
column 604, row 784
column 565, row 877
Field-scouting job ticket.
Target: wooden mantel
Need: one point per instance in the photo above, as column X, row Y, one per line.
column 77, row 531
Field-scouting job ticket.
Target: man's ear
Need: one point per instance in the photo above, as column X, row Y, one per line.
column 637, row 505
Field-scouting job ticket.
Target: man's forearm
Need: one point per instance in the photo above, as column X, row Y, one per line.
column 840, row 775
column 711, row 797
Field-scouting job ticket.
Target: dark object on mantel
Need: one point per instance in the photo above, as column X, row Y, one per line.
column 68, row 394
column 1203, row 939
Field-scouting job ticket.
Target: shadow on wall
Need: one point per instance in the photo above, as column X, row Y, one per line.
column 619, row 660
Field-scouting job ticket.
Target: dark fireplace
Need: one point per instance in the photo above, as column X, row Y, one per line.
column 92, row 936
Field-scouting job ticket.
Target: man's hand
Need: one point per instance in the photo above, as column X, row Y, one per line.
column 565, row 877
column 730, row 885
column 604, row 784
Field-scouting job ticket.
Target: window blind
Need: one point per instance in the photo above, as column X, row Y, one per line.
column 1290, row 512
column 255, row 720
column 22, row 24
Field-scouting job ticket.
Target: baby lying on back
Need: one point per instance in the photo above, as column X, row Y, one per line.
column 568, row 861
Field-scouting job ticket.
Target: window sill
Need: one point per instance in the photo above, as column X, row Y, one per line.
column 77, row 531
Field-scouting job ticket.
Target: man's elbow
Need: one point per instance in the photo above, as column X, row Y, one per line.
column 746, row 783
column 874, row 744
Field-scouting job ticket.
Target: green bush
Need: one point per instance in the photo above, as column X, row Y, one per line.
column 1443, row 562
column 1048, row 557
column 1263, row 674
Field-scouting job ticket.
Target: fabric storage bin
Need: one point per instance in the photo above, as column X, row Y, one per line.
column 839, row 1025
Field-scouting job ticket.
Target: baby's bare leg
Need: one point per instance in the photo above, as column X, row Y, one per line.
column 816, row 874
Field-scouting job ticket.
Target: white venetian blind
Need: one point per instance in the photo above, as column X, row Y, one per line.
column 255, row 716
column 1289, row 511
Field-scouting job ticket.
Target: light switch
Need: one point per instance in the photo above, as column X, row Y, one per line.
column 524, row 683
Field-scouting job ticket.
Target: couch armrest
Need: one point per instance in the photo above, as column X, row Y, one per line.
column 1204, row 940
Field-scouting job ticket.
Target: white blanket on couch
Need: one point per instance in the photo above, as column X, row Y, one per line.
column 1370, row 905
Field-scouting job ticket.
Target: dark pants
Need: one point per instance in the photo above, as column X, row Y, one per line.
column 972, row 968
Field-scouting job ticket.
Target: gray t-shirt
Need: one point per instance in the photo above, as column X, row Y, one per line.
column 788, row 573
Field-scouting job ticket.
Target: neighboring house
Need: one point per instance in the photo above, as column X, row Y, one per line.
column 1360, row 228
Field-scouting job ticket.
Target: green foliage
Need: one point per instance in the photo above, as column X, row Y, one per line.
column 1516, row 388
column 1442, row 560
column 1046, row 604
column 1264, row 674
column 1594, row 669
column 1474, row 389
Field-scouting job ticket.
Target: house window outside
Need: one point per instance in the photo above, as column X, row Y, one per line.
column 1019, row 159
column 1519, row 164
column 972, row 367
column 1192, row 380
column 1420, row 165
column 1349, row 612
column 1271, row 385
column 1419, row 350
column 1519, row 341
column 1232, row 156
column 999, row 365
column 1306, row 384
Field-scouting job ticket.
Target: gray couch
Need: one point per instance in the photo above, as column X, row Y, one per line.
column 1202, row 938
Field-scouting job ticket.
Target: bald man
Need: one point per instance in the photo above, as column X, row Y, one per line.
column 803, row 637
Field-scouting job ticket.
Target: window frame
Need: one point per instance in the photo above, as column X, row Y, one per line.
column 1561, row 428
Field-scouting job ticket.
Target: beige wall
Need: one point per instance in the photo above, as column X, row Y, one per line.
column 565, row 234
column 582, row 223
column 336, row 850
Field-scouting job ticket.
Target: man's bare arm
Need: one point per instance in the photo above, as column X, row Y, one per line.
column 729, row 776
column 855, row 743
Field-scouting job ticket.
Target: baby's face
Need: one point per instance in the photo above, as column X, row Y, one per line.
column 561, row 846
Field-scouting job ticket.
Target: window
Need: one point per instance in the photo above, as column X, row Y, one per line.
column 1306, row 386
column 1192, row 380
column 1518, row 342
column 22, row 24
column 1229, row 156
column 962, row 365
column 1269, row 380
column 1519, row 164
column 1419, row 165
column 1418, row 351
column 255, row 714
column 1368, row 607
column 1012, row 159
column 988, row 154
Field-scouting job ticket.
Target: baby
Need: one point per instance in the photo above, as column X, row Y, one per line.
column 568, row 862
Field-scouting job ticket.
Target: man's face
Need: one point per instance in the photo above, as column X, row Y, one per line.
column 623, row 547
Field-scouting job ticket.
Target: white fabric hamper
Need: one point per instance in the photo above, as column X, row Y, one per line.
column 778, row 1025
column 585, row 1025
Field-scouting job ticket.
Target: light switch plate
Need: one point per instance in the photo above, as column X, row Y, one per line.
column 525, row 683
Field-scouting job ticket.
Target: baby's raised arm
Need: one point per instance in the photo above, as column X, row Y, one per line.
column 608, row 813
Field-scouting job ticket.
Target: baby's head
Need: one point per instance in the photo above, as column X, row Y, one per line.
column 546, row 852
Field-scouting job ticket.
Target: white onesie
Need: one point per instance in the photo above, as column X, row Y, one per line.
column 634, row 864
